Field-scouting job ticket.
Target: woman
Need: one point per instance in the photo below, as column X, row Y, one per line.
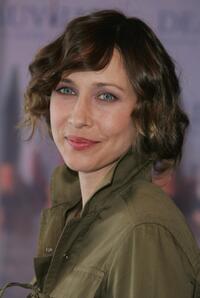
column 109, row 94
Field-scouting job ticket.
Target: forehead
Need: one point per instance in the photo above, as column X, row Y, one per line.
column 113, row 73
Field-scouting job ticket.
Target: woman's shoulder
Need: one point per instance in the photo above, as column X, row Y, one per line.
column 148, row 205
column 148, row 201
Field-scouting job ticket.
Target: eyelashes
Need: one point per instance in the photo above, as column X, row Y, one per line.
column 102, row 96
column 65, row 91
column 106, row 96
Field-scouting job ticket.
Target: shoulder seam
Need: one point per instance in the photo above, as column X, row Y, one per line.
column 193, row 255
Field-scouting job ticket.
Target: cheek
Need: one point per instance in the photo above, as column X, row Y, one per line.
column 55, row 120
column 53, row 117
column 57, row 113
column 116, row 124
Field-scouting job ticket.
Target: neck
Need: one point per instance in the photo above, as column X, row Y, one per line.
column 89, row 182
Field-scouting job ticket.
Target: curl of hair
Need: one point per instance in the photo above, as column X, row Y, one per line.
column 87, row 43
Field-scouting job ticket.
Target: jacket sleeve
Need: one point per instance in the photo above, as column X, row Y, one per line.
column 148, row 263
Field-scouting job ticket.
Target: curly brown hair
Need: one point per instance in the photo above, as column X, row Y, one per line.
column 87, row 43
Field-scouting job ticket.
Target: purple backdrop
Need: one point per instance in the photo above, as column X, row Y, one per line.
column 25, row 167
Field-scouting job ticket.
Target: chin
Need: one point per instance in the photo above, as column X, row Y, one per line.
column 78, row 167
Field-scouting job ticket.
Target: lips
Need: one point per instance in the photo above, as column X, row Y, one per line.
column 79, row 143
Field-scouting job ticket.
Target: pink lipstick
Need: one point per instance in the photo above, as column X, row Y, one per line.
column 79, row 143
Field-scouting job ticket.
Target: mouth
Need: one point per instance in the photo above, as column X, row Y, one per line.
column 79, row 143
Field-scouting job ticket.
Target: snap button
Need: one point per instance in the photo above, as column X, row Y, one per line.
column 66, row 256
column 48, row 249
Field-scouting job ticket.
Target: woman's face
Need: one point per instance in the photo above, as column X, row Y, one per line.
column 90, row 116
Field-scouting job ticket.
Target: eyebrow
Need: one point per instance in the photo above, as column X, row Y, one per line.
column 98, row 84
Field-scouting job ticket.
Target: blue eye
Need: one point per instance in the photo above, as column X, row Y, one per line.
column 66, row 91
column 107, row 97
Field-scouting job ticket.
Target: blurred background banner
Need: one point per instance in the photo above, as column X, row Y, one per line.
column 25, row 167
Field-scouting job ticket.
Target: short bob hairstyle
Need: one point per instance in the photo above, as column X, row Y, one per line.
column 87, row 43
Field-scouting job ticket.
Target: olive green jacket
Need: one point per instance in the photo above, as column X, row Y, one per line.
column 130, row 241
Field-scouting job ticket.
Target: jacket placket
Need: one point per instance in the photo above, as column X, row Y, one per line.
column 72, row 232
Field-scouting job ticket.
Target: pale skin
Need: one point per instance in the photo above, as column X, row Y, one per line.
column 96, row 106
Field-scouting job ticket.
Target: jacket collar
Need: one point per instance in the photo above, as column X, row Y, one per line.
column 65, row 186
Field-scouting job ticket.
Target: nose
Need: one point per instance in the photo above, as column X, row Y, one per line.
column 80, row 115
